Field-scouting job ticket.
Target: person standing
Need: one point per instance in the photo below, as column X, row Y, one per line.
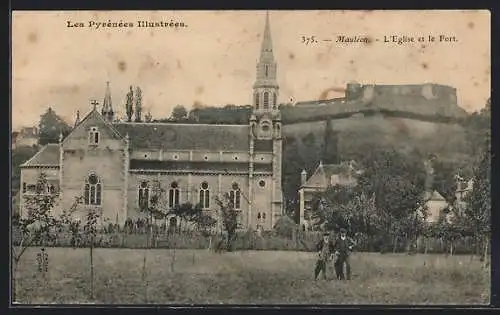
column 324, row 249
column 343, row 246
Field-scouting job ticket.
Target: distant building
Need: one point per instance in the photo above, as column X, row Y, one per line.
column 27, row 137
column 325, row 175
column 435, row 204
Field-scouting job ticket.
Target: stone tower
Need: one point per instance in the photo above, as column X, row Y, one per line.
column 107, row 106
column 266, row 118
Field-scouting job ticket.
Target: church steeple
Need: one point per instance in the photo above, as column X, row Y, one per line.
column 266, row 88
column 107, row 107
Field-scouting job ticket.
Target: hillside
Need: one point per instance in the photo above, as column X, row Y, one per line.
column 355, row 133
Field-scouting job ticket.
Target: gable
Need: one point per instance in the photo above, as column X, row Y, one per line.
column 80, row 134
column 318, row 179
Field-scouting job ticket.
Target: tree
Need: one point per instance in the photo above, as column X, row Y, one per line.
column 179, row 113
column 292, row 168
column 229, row 218
column 51, row 126
column 90, row 233
column 129, row 105
column 398, row 184
column 138, row 104
column 37, row 226
column 330, row 145
column 478, row 209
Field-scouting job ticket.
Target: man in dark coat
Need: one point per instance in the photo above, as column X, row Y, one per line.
column 325, row 250
column 342, row 247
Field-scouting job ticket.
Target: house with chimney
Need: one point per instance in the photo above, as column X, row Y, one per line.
column 325, row 175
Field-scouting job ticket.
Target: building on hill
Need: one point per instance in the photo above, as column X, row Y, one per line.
column 325, row 175
column 427, row 101
column 113, row 165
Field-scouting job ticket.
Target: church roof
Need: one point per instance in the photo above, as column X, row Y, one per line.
column 47, row 156
column 186, row 136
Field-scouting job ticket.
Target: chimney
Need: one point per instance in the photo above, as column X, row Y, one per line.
column 303, row 177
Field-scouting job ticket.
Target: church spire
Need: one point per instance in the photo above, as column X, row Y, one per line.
column 266, row 51
column 107, row 107
column 266, row 88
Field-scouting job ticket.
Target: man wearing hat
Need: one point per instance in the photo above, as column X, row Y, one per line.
column 324, row 249
column 342, row 247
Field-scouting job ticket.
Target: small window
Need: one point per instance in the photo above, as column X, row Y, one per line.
column 256, row 100
column 176, row 157
column 263, row 216
column 265, row 128
column 262, row 183
column 24, row 188
column 258, row 216
column 267, row 70
column 235, row 158
column 94, row 136
column 266, row 100
column 205, row 157
column 275, row 100
column 145, row 155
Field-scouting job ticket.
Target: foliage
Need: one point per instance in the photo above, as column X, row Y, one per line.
column 138, row 104
column 330, row 145
column 38, row 225
column 229, row 218
column 179, row 112
column 398, row 183
column 478, row 209
column 285, row 227
column 292, row 168
column 51, row 126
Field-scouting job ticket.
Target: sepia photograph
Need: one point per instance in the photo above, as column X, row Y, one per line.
column 250, row 157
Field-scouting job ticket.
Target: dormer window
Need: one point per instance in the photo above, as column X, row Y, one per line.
column 94, row 136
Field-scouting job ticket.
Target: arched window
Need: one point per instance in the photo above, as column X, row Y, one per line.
column 94, row 136
column 256, row 100
column 266, row 67
column 235, row 196
column 275, row 100
column 204, row 196
column 93, row 190
column 144, row 195
column 173, row 195
column 266, row 100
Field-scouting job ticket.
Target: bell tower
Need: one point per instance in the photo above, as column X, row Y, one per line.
column 266, row 126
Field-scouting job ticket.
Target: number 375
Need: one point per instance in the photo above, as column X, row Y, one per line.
column 309, row 40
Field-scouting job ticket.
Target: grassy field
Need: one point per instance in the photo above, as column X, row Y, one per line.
column 251, row 277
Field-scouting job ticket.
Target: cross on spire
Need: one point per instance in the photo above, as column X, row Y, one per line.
column 94, row 103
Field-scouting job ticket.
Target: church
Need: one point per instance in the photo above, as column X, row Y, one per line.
column 114, row 164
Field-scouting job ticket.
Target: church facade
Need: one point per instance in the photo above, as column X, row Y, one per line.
column 114, row 165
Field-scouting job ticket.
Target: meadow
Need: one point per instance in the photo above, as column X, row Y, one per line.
column 247, row 277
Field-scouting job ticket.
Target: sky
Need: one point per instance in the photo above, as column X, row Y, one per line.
column 212, row 60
